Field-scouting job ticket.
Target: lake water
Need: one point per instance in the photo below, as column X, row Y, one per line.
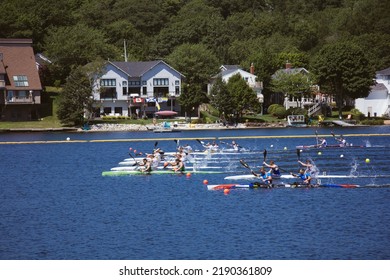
column 55, row 203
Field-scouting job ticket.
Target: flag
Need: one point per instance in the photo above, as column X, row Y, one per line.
column 158, row 106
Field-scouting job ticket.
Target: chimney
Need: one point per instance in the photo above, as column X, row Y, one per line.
column 252, row 69
column 288, row 65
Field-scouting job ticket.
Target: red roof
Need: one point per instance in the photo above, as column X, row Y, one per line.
column 18, row 60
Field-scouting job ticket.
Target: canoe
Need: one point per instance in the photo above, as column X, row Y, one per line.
column 130, row 168
column 327, row 147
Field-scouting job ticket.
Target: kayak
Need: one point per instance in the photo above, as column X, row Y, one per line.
column 327, row 147
column 251, row 177
column 156, row 172
column 130, row 168
column 268, row 186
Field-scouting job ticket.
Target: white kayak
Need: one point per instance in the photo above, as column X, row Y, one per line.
column 128, row 168
column 251, row 177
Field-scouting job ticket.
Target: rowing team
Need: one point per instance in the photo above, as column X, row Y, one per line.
column 152, row 161
column 267, row 176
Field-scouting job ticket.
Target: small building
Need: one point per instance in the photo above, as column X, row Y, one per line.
column 137, row 89
column 228, row 71
column 20, row 85
column 377, row 103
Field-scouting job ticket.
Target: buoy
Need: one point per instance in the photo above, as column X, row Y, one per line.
column 67, row 139
column 205, row 182
column 188, row 174
column 135, row 151
column 285, row 148
column 130, row 148
column 341, row 155
column 271, row 146
column 367, row 160
column 319, row 153
column 226, row 191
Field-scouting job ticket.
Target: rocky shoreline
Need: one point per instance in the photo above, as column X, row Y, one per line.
column 136, row 127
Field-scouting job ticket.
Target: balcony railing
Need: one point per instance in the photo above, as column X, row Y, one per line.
column 19, row 100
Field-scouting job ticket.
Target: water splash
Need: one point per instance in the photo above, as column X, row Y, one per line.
column 354, row 168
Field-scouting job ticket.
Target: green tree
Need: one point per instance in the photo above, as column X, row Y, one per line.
column 343, row 70
column 191, row 98
column 69, row 47
column 294, row 84
column 220, row 97
column 76, row 100
column 243, row 97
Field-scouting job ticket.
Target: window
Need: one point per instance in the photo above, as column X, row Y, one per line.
column 134, row 83
column 161, row 82
column 108, row 82
column 177, row 83
column 177, row 90
column 21, row 81
column 144, row 91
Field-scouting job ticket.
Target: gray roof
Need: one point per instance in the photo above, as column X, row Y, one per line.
column 138, row 68
column 384, row 72
column 379, row 86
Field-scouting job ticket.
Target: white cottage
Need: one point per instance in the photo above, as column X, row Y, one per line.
column 377, row 103
column 228, row 71
column 137, row 89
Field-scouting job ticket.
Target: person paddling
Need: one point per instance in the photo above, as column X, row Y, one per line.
column 264, row 175
column 342, row 141
column 145, row 166
column 323, row 143
column 179, row 166
column 274, row 168
column 308, row 164
column 304, row 176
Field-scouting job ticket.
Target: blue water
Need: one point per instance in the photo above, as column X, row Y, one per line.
column 55, row 204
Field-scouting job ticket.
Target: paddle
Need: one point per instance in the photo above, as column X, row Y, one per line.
column 316, row 137
column 200, row 142
column 265, row 155
column 136, row 162
column 247, row 166
column 299, row 154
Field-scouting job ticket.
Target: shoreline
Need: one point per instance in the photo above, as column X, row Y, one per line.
column 106, row 127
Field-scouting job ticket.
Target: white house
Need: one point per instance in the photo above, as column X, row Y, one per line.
column 137, row 89
column 228, row 71
column 377, row 103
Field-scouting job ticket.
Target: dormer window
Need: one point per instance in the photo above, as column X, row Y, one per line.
column 20, row 81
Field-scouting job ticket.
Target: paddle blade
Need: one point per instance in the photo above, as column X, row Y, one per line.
column 155, row 144
column 265, row 154
column 332, row 134
column 244, row 164
column 299, row 154
column 200, row 142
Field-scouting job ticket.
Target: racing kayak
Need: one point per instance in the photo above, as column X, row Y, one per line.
column 268, row 186
column 327, row 147
column 156, row 172
column 252, row 177
column 130, row 168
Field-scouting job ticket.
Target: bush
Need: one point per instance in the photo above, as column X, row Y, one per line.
column 357, row 115
column 280, row 112
column 373, row 122
column 272, row 108
column 296, row 111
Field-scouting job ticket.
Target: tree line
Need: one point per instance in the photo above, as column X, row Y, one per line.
column 197, row 36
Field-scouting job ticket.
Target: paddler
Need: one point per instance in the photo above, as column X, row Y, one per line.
column 342, row 141
column 179, row 166
column 264, row 175
column 308, row 164
column 274, row 168
column 145, row 166
column 323, row 143
column 305, row 176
